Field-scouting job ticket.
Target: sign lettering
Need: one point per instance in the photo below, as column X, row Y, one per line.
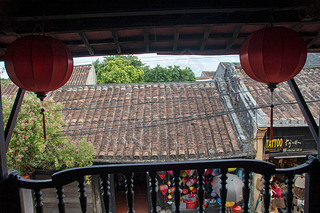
column 284, row 144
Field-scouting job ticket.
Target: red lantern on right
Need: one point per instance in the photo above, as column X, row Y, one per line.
column 271, row 56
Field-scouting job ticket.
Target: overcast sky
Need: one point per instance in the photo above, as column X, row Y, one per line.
column 195, row 62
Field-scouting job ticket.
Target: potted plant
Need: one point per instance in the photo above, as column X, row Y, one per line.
column 29, row 150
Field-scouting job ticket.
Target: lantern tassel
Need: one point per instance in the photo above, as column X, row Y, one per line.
column 271, row 122
column 44, row 123
column 271, row 88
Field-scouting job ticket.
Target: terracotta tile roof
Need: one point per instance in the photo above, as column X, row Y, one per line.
column 9, row 90
column 79, row 77
column 207, row 73
column 151, row 122
column 286, row 110
column 204, row 79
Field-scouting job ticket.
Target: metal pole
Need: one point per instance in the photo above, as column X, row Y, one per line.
column 13, row 117
column 3, row 151
column 314, row 128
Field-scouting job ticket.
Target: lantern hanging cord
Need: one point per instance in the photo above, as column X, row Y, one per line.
column 271, row 88
column 44, row 123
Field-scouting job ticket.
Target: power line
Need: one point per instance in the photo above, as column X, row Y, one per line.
column 174, row 120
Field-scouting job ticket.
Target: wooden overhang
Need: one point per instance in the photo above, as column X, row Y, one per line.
column 93, row 28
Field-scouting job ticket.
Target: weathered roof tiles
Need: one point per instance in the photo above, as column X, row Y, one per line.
column 150, row 122
column 286, row 110
column 81, row 75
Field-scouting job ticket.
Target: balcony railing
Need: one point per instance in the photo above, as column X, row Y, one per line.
column 62, row 178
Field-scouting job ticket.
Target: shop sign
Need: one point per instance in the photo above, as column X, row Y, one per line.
column 274, row 146
column 293, row 143
column 284, row 144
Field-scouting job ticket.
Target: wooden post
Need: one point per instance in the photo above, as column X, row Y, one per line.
column 312, row 190
column 10, row 196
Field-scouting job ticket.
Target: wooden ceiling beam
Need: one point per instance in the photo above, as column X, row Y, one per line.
column 310, row 43
column 122, row 22
column 116, row 41
column 86, row 42
column 176, row 37
column 297, row 27
column 206, row 35
column 234, row 36
column 146, row 40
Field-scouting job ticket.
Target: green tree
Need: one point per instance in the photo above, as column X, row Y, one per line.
column 119, row 69
column 29, row 150
column 168, row 74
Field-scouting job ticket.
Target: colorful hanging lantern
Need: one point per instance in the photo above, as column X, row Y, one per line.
column 208, row 172
column 236, row 209
column 162, row 174
column 38, row 64
column 194, row 190
column 232, row 169
column 163, row 189
column 271, row 56
column 184, row 174
column 185, row 191
column 230, row 204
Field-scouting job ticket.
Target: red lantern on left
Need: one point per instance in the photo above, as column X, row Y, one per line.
column 38, row 63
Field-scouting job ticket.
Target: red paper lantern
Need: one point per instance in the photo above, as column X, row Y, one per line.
column 273, row 55
column 38, row 63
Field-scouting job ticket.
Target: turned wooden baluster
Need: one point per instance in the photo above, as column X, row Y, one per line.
column 200, row 189
column 105, row 187
column 246, row 191
column 289, row 193
column 153, row 185
column 176, row 180
column 60, row 197
column 82, row 195
column 129, row 192
column 38, row 200
column 223, row 189
column 266, row 193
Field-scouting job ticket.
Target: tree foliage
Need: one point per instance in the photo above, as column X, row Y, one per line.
column 119, row 69
column 129, row 69
column 29, row 150
column 168, row 74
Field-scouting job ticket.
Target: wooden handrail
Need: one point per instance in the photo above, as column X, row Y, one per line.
column 62, row 178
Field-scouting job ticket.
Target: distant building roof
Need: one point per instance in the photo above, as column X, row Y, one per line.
column 81, row 75
column 286, row 110
column 207, row 74
column 204, row 79
column 151, row 121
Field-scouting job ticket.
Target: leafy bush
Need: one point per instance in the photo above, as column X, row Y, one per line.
column 119, row 69
column 29, row 150
column 168, row 74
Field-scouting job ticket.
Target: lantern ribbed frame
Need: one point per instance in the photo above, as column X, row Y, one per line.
column 273, row 55
column 38, row 63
